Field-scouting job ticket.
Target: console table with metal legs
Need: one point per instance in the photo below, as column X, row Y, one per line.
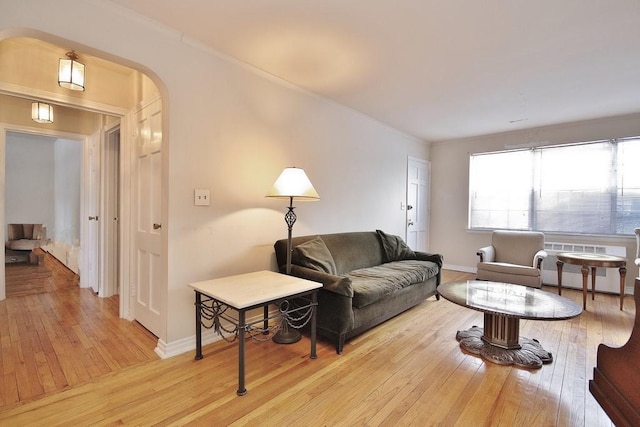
column 245, row 292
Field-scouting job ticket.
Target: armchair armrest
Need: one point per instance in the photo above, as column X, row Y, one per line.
column 337, row 284
column 538, row 258
column 487, row 254
column 423, row 256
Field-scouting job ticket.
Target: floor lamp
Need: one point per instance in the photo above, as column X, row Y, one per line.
column 292, row 183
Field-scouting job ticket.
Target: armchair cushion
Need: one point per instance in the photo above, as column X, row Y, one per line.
column 516, row 247
column 501, row 267
column 513, row 257
column 25, row 237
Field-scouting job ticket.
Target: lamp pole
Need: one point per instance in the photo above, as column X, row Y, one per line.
column 290, row 219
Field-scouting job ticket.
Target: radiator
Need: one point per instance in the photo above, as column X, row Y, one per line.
column 607, row 279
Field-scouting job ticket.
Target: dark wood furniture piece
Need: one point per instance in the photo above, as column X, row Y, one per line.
column 616, row 376
column 503, row 305
column 592, row 261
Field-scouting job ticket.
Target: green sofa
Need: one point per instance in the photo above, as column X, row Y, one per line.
column 367, row 277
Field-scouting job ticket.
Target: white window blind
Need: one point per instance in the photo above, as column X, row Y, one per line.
column 587, row 188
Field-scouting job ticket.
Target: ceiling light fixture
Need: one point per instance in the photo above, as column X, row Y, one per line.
column 41, row 112
column 71, row 72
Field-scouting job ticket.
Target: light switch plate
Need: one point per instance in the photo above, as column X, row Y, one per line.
column 201, row 197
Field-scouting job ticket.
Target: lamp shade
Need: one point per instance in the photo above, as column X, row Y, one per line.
column 71, row 72
column 293, row 182
column 41, row 112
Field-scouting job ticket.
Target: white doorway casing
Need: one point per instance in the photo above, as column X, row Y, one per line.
column 110, row 232
column 80, row 263
column 89, row 214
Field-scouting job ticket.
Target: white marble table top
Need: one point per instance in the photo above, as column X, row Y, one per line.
column 250, row 289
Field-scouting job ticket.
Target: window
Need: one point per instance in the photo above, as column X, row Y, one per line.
column 587, row 188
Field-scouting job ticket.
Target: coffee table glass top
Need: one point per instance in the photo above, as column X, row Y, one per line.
column 510, row 300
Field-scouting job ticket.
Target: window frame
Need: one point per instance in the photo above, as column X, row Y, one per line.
column 612, row 202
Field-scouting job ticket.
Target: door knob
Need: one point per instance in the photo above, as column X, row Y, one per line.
column 157, row 226
column 410, row 223
column 93, row 218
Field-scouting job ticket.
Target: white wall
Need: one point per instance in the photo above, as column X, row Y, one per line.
column 30, row 180
column 450, row 186
column 232, row 129
column 68, row 161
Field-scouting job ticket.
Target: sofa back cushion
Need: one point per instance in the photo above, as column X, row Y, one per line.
column 314, row 254
column 350, row 251
column 394, row 248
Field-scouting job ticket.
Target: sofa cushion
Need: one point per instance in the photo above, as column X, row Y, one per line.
column 394, row 248
column 376, row 283
column 314, row 254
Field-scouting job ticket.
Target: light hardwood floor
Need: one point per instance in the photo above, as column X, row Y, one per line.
column 55, row 336
column 408, row 371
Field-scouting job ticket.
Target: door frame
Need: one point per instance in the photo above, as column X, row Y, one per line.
column 110, row 232
column 8, row 127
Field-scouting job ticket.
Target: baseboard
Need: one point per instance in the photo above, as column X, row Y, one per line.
column 165, row 350
column 462, row 268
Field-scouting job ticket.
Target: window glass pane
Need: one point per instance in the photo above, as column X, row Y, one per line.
column 589, row 188
column 574, row 193
column 628, row 183
column 500, row 188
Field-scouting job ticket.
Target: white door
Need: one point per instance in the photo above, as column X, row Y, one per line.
column 110, row 214
column 418, row 177
column 148, row 287
column 89, row 239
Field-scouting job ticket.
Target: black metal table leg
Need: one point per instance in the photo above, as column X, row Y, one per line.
column 266, row 319
column 198, row 326
column 314, row 305
column 241, row 332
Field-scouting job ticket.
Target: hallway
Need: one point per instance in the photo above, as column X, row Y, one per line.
column 58, row 335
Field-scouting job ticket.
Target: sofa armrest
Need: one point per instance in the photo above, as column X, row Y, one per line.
column 337, row 284
column 538, row 258
column 487, row 254
column 437, row 258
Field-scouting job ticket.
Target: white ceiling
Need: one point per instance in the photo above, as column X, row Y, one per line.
column 435, row 69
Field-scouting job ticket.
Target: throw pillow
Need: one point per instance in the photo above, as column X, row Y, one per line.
column 314, row 254
column 395, row 249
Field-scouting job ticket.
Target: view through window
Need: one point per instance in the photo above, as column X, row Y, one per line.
column 585, row 188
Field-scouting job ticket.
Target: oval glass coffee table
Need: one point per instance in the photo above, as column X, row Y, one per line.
column 503, row 305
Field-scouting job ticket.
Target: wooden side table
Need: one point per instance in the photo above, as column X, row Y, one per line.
column 592, row 261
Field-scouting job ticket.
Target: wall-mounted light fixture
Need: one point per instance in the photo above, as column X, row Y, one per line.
column 71, row 72
column 41, row 112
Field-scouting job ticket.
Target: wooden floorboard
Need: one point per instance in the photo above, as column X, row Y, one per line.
column 61, row 336
column 409, row 371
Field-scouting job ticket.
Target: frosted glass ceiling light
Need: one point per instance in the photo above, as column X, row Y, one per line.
column 71, row 72
column 41, row 112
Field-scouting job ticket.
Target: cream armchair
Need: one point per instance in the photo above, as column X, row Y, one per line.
column 513, row 257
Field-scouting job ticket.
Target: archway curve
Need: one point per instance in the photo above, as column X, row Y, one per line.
column 25, row 92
